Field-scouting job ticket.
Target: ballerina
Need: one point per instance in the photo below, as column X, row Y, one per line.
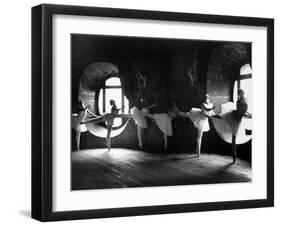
column 108, row 118
column 162, row 120
column 82, row 115
column 139, row 114
column 199, row 117
column 164, row 123
column 233, row 118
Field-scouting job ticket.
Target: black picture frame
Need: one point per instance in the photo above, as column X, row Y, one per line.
column 42, row 107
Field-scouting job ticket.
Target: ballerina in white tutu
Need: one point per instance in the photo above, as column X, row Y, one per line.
column 139, row 114
column 199, row 117
column 233, row 117
column 77, row 119
column 108, row 118
column 162, row 120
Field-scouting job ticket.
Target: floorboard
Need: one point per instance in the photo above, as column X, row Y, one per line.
column 120, row 168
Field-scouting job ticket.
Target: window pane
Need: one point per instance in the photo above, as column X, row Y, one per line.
column 116, row 95
column 113, row 82
column 246, row 85
column 101, row 101
column 245, row 70
column 117, row 122
column 113, row 94
column 235, row 91
column 126, row 105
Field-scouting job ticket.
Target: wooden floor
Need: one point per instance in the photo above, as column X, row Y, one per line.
column 97, row 168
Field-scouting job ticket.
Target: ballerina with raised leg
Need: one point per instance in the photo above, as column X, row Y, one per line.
column 199, row 117
column 162, row 120
column 108, row 118
column 233, row 118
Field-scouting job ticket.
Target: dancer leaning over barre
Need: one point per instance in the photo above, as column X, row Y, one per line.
column 162, row 120
column 138, row 115
column 199, row 117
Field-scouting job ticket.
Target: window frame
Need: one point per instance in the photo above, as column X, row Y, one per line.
column 238, row 80
column 102, row 89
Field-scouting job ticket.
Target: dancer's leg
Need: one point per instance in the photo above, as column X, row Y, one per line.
column 78, row 133
column 165, row 141
column 198, row 142
column 108, row 141
column 233, row 148
column 139, row 137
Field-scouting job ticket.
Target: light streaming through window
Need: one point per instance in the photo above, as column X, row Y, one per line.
column 113, row 91
column 246, row 85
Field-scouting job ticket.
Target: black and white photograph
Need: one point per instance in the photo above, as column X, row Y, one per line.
column 148, row 111
column 145, row 112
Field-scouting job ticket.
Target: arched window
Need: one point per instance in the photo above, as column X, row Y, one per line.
column 244, row 82
column 112, row 90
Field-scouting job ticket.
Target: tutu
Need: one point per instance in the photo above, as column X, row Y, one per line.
column 139, row 117
column 108, row 118
column 164, row 123
column 76, row 119
column 233, row 123
column 232, row 120
column 199, row 119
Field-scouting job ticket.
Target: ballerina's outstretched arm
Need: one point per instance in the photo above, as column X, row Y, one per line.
column 97, row 119
column 92, row 114
column 183, row 114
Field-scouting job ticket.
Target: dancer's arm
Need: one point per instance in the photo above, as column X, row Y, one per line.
column 211, row 113
column 91, row 113
column 248, row 115
column 183, row 114
column 87, row 109
column 151, row 106
column 98, row 119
